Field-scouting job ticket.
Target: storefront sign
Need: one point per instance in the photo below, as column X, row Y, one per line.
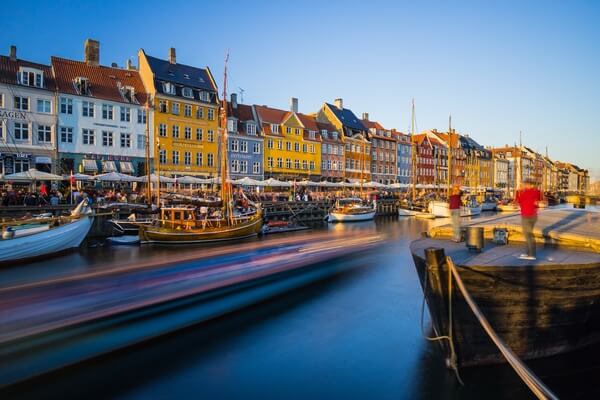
column 5, row 114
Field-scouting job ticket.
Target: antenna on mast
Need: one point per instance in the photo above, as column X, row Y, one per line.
column 241, row 90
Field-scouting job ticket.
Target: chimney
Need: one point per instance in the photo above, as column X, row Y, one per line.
column 172, row 58
column 129, row 65
column 294, row 104
column 114, row 65
column 92, row 52
column 234, row 102
column 339, row 103
column 13, row 53
column 365, row 116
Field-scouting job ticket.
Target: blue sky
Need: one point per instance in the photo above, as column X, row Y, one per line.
column 497, row 67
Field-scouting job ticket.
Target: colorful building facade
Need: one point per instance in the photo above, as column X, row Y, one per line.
column 404, row 157
column 102, row 114
column 185, row 118
column 332, row 153
column 383, row 151
column 244, row 141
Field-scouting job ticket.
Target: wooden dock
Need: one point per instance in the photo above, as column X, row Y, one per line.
column 563, row 227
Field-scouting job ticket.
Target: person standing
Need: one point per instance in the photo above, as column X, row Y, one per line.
column 528, row 199
column 454, row 206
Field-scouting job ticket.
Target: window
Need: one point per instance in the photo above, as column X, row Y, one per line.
column 211, row 114
column 235, row 165
column 175, row 108
column 21, row 131
column 107, row 111
column 329, row 164
column 168, row 88
column 312, row 135
column 288, row 146
column 187, row 110
column 256, row 148
column 323, row 165
column 44, row 133
column 256, row 167
column 304, row 148
column 44, row 106
column 198, row 133
column 270, row 162
column 187, row 158
column 210, row 159
column 2, row 100
column 274, row 128
column 175, row 155
column 231, row 125
column 175, row 131
column 251, row 128
column 270, row 143
column 279, row 162
column 87, row 109
column 162, row 156
column 89, row 136
column 107, row 138
column 21, row 165
column 234, row 145
column 205, row 96
column 297, row 131
column 162, row 130
column 141, row 116
column 297, row 164
column 200, row 112
column 187, row 92
column 22, row 103
column 125, row 140
column 199, row 159
column 304, row 164
column 244, row 166
column 187, row 132
column 66, row 106
column 125, row 114
column 141, row 142
column 162, row 106
column 279, row 145
column 243, row 146
column 288, row 163
column 312, row 149
column 66, row 134
column 296, row 147
column 30, row 78
column 288, row 130
column 211, row 135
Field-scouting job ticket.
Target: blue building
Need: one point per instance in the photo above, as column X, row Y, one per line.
column 244, row 143
column 404, row 158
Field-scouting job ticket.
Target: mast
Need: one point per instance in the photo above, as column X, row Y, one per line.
column 149, row 185
column 362, row 160
column 158, row 174
column 413, row 149
column 448, row 189
column 225, row 189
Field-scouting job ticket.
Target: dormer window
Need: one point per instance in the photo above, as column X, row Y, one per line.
column 324, row 133
column 334, row 135
column 82, row 85
column 187, row 92
column 186, row 76
column 205, row 96
column 168, row 88
column 251, row 128
column 31, row 77
column 232, row 125
column 312, row 135
column 128, row 93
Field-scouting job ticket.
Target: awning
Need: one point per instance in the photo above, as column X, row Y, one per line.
column 90, row 165
column 43, row 160
column 126, row 167
column 109, row 166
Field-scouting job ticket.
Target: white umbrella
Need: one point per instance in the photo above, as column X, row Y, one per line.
column 79, row 177
column 246, row 181
column 275, row 183
column 33, row 174
column 186, row 180
column 116, row 177
column 154, row 178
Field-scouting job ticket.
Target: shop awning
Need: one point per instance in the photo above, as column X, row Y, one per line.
column 43, row 160
column 126, row 167
column 90, row 165
column 109, row 166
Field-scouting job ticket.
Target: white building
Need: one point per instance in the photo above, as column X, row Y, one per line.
column 102, row 116
column 27, row 115
column 501, row 175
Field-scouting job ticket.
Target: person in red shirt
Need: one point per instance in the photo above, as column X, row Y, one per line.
column 454, row 206
column 528, row 199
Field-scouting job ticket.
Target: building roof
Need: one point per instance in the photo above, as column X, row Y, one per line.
column 346, row 117
column 181, row 74
column 242, row 112
column 10, row 68
column 270, row 115
column 105, row 82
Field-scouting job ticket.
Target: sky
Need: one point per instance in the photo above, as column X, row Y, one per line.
column 499, row 68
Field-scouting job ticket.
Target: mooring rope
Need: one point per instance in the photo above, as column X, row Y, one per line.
column 531, row 380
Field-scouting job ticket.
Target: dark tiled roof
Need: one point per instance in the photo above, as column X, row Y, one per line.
column 243, row 113
column 9, row 70
column 347, row 118
column 181, row 74
column 104, row 81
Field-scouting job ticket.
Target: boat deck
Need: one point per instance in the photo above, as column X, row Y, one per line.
column 568, row 227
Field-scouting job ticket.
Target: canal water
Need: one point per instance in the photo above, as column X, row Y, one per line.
column 356, row 335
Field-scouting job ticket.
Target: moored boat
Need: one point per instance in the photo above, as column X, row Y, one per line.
column 441, row 209
column 351, row 210
column 508, row 207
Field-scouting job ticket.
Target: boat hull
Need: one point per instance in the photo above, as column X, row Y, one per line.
column 152, row 234
column 489, row 206
column 441, row 209
column 46, row 242
column 403, row 212
column 344, row 217
column 508, row 207
column 539, row 311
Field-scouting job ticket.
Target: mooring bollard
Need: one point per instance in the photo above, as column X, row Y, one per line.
column 435, row 256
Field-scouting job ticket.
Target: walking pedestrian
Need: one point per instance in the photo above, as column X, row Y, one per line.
column 454, row 206
column 528, row 199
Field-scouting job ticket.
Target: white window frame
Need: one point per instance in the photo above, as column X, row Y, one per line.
column 46, row 106
column 108, row 112
column 66, row 134
column 88, row 137
column 125, row 137
column 108, row 138
column 46, row 132
column 88, row 109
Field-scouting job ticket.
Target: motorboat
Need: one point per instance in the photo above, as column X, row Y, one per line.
column 441, row 209
column 351, row 209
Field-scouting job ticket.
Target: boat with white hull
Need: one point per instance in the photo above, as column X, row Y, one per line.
column 441, row 209
column 351, row 210
column 47, row 241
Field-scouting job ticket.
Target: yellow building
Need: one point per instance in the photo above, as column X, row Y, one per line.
column 186, row 115
column 292, row 147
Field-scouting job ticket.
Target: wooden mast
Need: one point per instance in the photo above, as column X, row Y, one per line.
column 449, row 189
column 413, row 149
column 158, row 173
column 225, row 189
column 149, row 184
column 362, row 161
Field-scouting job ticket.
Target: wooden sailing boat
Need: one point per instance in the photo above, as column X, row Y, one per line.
column 353, row 209
column 188, row 224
